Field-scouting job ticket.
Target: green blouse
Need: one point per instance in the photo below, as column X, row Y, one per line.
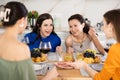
column 16, row 70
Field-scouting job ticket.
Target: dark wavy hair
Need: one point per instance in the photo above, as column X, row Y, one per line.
column 17, row 11
column 39, row 22
column 113, row 16
column 81, row 20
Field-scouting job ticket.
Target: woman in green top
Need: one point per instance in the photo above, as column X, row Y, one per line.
column 15, row 61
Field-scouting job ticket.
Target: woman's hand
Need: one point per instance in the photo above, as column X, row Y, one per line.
column 63, row 65
column 77, row 64
column 52, row 74
column 59, row 49
column 92, row 32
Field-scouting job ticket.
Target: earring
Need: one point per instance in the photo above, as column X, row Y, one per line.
column 21, row 25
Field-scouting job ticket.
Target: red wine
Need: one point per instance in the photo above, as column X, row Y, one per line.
column 45, row 51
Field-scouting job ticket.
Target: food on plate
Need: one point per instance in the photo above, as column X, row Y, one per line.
column 89, row 56
column 43, row 57
column 80, row 56
column 35, row 52
column 37, row 59
column 37, row 56
column 88, row 60
column 68, row 58
column 33, row 59
column 97, row 59
column 89, row 53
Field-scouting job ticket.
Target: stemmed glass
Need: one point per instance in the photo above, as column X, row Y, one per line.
column 45, row 47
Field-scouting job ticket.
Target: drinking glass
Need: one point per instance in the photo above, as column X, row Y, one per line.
column 61, row 55
column 45, row 47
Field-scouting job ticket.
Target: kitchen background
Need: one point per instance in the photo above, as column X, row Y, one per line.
column 61, row 10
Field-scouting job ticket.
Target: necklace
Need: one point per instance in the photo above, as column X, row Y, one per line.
column 81, row 45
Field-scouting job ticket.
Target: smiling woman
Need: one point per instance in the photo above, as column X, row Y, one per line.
column 111, row 67
column 43, row 32
column 82, row 36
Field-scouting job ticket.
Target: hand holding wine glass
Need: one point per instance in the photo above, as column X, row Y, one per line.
column 45, row 47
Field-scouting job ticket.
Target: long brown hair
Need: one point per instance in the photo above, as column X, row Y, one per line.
column 113, row 16
column 39, row 22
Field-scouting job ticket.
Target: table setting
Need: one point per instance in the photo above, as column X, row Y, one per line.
column 52, row 59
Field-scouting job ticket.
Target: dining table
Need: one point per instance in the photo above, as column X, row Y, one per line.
column 66, row 74
column 69, row 74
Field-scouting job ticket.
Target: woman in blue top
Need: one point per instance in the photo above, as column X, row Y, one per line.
column 43, row 31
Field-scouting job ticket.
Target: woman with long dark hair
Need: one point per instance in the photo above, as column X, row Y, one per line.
column 43, row 31
column 82, row 36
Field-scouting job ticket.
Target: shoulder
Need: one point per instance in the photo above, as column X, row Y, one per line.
column 23, row 49
column 18, row 51
column 115, row 47
column 31, row 34
column 88, row 37
column 114, row 50
column 54, row 36
column 69, row 39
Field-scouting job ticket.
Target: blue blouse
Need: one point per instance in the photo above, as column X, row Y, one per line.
column 34, row 43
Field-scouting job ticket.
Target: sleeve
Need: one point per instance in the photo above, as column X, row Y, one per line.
column 31, row 37
column 31, row 40
column 56, row 41
column 110, row 65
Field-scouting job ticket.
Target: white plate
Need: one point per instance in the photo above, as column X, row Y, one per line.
column 97, row 67
column 37, row 66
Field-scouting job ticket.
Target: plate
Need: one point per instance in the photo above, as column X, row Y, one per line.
column 37, row 66
column 97, row 67
column 41, row 62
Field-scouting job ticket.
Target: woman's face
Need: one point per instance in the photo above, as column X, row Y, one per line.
column 75, row 27
column 107, row 29
column 46, row 28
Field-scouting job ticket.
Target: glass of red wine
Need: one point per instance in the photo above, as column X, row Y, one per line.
column 45, row 47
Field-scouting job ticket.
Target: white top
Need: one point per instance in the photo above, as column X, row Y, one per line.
column 86, row 44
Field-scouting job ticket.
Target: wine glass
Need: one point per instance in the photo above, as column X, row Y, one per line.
column 45, row 47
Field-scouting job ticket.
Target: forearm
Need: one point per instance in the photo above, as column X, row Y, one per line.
column 69, row 48
column 98, row 44
column 46, row 78
column 90, row 71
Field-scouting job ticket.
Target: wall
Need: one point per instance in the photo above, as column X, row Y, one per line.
column 61, row 10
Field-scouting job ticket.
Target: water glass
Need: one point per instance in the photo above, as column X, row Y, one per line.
column 61, row 56
column 52, row 56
